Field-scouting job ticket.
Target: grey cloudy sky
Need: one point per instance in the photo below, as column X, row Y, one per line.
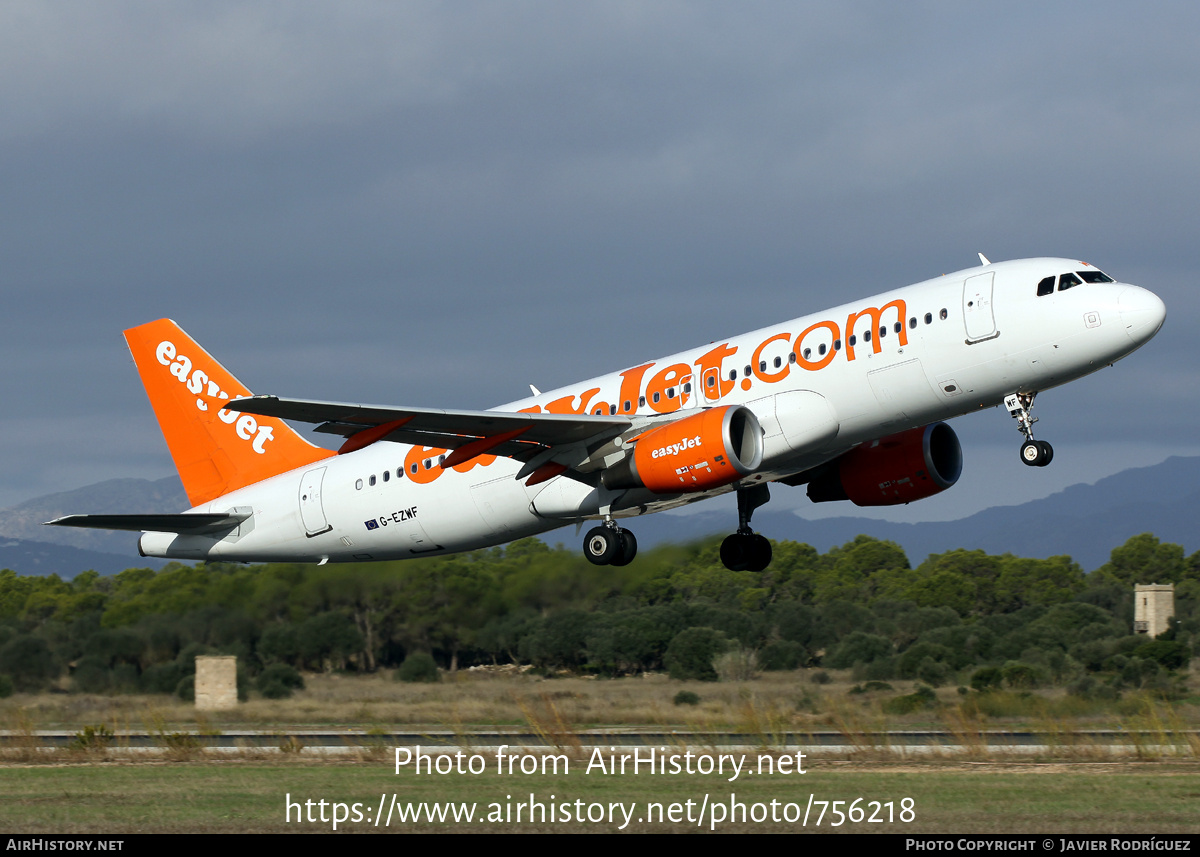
column 436, row 204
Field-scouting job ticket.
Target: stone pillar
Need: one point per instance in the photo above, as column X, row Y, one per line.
column 216, row 682
column 1153, row 605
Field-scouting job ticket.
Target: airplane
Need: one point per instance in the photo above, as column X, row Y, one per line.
column 850, row 402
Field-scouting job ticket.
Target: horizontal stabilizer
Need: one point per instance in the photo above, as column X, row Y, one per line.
column 188, row 524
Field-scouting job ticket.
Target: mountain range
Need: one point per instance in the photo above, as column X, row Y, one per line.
column 29, row 547
column 1083, row 521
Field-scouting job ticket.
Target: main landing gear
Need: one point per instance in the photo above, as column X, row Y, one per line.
column 1035, row 453
column 609, row 545
column 746, row 550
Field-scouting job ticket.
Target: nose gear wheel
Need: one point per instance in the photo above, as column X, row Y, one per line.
column 1035, row 453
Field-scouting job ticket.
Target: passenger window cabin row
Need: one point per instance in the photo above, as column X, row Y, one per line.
column 711, row 382
column 386, row 476
column 943, row 314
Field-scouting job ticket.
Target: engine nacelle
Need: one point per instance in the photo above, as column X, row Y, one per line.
column 697, row 453
column 897, row 469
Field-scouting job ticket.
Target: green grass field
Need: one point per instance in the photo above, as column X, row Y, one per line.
column 1073, row 786
column 247, row 796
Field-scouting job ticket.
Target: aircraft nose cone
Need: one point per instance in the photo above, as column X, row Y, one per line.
column 1142, row 313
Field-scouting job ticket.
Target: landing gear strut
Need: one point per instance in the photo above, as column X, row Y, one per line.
column 746, row 550
column 1035, row 453
column 609, row 545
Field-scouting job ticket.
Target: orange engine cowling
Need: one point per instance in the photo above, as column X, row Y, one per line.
column 897, row 469
column 703, row 451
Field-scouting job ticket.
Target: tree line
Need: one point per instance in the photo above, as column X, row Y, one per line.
column 958, row 616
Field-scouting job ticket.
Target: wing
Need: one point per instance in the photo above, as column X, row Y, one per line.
column 558, row 442
column 185, row 523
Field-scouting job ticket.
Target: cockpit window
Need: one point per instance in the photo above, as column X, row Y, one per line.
column 1070, row 281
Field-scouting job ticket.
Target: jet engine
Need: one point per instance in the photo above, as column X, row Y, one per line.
column 706, row 450
column 900, row 468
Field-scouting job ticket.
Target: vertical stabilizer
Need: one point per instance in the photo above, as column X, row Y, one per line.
column 215, row 450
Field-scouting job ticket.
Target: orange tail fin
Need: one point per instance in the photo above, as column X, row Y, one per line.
column 215, row 451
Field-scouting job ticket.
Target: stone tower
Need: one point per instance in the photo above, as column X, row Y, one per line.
column 1153, row 605
column 216, row 682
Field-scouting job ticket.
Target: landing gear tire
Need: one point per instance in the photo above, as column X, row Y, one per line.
column 628, row 549
column 759, row 553
column 733, row 552
column 746, row 552
column 602, row 545
column 1036, row 453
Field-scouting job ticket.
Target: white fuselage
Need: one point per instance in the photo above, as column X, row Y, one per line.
column 819, row 386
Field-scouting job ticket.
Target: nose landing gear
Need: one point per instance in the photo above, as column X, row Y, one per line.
column 746, row 550
column 1035, row 453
